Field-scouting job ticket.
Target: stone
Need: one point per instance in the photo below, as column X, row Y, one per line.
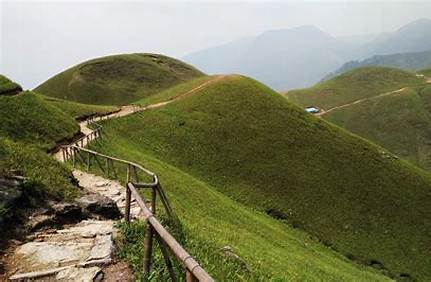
column 78, row 274
column 103, row 248
column 67, row 212
column 99, row 205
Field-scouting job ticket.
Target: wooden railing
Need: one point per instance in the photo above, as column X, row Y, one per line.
column 133, row 181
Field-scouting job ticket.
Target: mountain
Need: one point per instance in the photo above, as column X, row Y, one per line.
column 300, row 57
column 117, row 80
column 283, row 59
column 406, row 61
column 413, row 37
column 387, row 106
column 240, row 139
column 8, row 87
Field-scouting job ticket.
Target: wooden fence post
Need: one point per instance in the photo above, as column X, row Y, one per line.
column 148, row 242
column 73, row 158
column 190, row 277
column 128, row 196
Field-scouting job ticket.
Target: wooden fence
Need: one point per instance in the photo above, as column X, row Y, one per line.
column 134, row 178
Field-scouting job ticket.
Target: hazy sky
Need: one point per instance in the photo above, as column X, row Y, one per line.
column 40, row 39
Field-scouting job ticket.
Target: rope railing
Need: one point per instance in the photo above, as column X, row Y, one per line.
column 76, row 152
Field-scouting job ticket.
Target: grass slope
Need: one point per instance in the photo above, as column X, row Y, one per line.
column 400, row 122
column 78, row 110
column 249, row 143
column 8, row 87
column 270, row 248
column 29, row 118
column 353, row 85
column 118, row 80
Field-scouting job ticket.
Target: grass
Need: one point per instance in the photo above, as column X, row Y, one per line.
column 29, row 118
column 8, row 86
column 426, row 72
column 353, row 85
column 271, row 249
column 118, row 80
column 400, row 122
column 78, row 110
column 245, row 141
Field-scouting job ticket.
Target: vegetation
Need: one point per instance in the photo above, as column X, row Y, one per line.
column 426, row 72
column 353, row 85
column 240, row 138
column 118, row 80
column 29, row 118
column 78, row 110
column 8, row 87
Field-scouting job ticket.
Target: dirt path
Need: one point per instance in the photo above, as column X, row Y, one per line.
column 323, row 112
column 82, row 251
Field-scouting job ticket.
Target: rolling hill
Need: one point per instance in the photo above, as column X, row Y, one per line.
column 238, row 138
column 118, row 79
column 394, row 113
column 405, row 61
column 28, row 118
column 352, row 86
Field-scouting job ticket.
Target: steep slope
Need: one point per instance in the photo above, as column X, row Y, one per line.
column 29, row 118
column 117, row 80
column 352, row 86
column 8, row 87
column 406, row 61
column 250, row 144
column 280, row 58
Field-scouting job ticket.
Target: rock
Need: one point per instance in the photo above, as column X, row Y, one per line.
column 229, row 253
column 67, row 212
column 99, row 205
column 38, row 222
column 103, row 248
column 78, row 274
column 10, row 192
column 90, row 228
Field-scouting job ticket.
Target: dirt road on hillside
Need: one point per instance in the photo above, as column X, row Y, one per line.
column 323, row 112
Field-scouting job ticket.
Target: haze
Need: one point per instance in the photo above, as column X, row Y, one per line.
column 40, row 39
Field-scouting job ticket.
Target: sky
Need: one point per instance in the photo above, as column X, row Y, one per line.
column 38, row 39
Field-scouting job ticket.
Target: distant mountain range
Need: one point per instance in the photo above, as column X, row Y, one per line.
column 407, row 61
column 302, row 56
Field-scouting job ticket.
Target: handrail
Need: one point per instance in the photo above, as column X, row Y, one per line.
column 194, row 272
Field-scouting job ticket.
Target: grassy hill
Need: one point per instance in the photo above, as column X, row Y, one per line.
column 8, row 87
column 240, row 139
column 29, row 118
column 353, row 85
column 78, row 110
column 118, row 80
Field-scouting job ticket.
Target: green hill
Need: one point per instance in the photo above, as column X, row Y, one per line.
column 78, row 110
column 353, row 85
column 29, row 118
column 245, row 141
column 118, row 80
column 8, row 87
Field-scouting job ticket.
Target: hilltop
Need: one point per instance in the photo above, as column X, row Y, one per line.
column 239, row 138
column 118, row 79
column 353, row 85
column 405, row 61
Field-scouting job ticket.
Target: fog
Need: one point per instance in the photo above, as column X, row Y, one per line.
column 40, row 39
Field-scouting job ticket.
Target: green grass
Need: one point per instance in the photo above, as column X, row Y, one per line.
column 78, row 110
column 44, row 175
column 247, row 142
column 400, row 122
column 426, row 72
column 29, row 118
column 353, row 85
column 8, row 86
column 118, row 80
column 211, row 220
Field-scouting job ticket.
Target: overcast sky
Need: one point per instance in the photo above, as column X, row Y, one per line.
column 40, row 39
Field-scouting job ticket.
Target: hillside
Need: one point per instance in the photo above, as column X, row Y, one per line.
column 118, row 79
column 29, row 118
column 243, row 140
column 8, row 87
column 352, row 86
column 405, row 61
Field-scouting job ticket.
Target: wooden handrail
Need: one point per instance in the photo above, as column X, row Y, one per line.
column 194, row 272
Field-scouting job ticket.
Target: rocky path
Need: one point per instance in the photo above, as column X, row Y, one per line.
column 82, row 250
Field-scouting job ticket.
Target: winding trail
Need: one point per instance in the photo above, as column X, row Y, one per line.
column 83, row 251
column 323, row 112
